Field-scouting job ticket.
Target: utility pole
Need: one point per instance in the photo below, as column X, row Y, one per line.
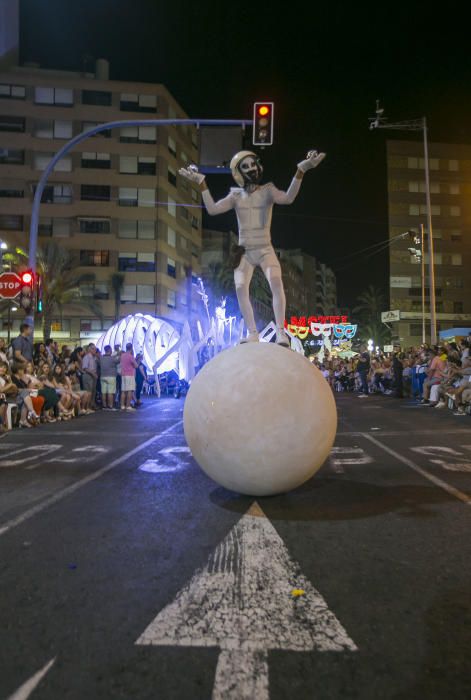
column 380, row 122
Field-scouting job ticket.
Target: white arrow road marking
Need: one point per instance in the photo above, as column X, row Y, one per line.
column 171, row 462
column 27, row 688
column 337, row 463
column 250, row 597
column 43, row 450
column 441, row 456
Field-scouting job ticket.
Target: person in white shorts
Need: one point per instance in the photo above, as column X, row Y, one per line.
column 253, row 204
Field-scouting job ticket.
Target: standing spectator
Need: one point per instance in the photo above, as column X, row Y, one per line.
column 398, row 369
column 23, row 345
column 3, row 351
column 363, row 369
column 117, row 353
column 51, row 352
column 90, row 373
column 109, row 365
column 128, row 378
column 141, row 377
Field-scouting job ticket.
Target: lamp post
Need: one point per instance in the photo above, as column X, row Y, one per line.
column 418, row 254
column 380, row 122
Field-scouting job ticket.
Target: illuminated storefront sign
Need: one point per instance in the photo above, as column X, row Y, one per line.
column 336, row 327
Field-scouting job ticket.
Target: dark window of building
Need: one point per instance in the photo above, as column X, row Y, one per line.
column 11, row 156
column 94, row 258
column 127, row 262
column 146, row 167
column 138, row 103
column 101, row 161
column 14, row 194
column 95, row 226
column 12, row 92
column 106, row 133
column 171, row 268
column 183, row 213
column 45, row 227
column 96, row 97
column 145, row 262
column 13, row 124
column 194, row 222
column 458, row 307
column 171, row 177
column 95, row 193
column 11, row 222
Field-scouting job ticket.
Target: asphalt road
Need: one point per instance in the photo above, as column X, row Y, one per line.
column 126, row 573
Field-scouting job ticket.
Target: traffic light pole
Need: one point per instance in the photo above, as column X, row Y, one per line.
column 33, row 233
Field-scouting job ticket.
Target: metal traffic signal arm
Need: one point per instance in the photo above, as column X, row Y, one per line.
column 33, row 234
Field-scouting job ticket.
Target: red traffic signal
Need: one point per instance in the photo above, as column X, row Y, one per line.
column 263, row 113
column 27, row 278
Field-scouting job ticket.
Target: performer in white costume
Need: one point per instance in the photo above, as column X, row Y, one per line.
column 253, row 204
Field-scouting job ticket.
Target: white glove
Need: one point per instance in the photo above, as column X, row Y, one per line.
column 191, row 173
column 313, row 159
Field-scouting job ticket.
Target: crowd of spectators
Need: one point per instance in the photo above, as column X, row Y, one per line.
column 435, row 376
column 42, row 384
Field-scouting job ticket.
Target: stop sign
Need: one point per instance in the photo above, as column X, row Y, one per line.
column 10, row 285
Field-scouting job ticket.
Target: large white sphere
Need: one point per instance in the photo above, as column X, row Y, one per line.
column 260, row 419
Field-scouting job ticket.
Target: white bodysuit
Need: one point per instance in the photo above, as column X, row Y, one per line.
column 254, row 212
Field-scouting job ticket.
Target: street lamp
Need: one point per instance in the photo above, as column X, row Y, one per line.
column 380, row 122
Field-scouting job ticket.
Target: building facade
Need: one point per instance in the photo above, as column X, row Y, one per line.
column 310, row 286
column 115, row 201
column 450, row 185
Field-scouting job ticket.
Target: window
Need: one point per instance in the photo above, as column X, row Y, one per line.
column 62, row 129
column 11, row 222
column 95, row 225
column 139, row 165
column 95, row 193
column 455, row 236
column 172, row 176
column 415, row 186
column 12, row 193
column 42, row 160
column 437, row 258
column 194, row 222
column 61, row 228
column 171, row 237
column 100, row 161
column 183, row 156
column 458, row 307
column 183, row 211
column 138, row 134
column 171, row 268
column 63, row 97
column 138, row 103
column 12, row 124
column 183, row 242
column 146, row 165
column 456, row 259
column 172, row 113
column 455, row 188
column 101, row 290
column 127, row 196
column 94, row 258
column 128, row 294
column 145, row 293
column 61, row 194
column 146, row 262
column 146, row 197
column 90, row 125
column 12, row 156
column 96, row 97
column 172, row 207
column 419, row 163
column 144, row 230
column 172, row 146
column 45, row 227
column 12, row 92
column 127, row 262
column 95, row 324
column 171, row 299
column 417, row 209
column 194, row 195
column 455, row 211
column 453, row 165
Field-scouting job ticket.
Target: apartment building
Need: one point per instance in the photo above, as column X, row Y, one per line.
column 450, row 186
column 310, row 286
column 115, row 201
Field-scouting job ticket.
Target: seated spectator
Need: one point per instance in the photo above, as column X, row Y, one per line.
column 434, row 372
column 62, row 385
column 28, row 416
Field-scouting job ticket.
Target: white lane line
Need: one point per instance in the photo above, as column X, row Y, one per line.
column 250, row 597
column 400, row 433
column 27, row 688
column 434, row 479
column 10, row 524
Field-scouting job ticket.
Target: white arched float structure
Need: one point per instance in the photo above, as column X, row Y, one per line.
column 164, row 348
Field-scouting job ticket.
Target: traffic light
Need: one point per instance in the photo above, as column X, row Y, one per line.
column 39, row 294
column 27, row 291
column 263, row 114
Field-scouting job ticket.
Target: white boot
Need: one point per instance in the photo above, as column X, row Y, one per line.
column 282, row 338
column 252, row 337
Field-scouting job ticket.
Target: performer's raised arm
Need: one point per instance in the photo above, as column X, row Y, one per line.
column 312, row 161
column 220, row 207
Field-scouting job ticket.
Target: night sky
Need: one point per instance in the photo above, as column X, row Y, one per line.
column 323, row 67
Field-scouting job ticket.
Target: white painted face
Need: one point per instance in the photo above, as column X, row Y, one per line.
column 251, row 170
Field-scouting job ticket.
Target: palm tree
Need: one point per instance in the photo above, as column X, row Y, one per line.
column 370, row 304
column 62, row 285
column 117, row 284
